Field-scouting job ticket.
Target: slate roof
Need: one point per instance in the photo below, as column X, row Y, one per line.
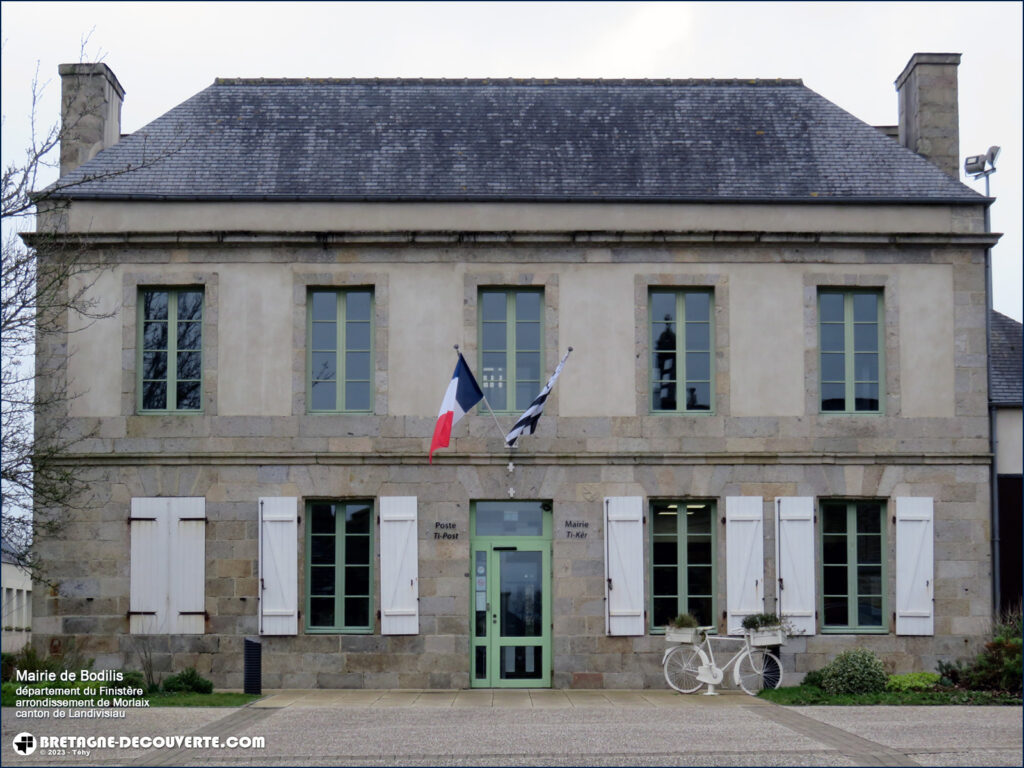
column 1007, row 360
column 557, row 140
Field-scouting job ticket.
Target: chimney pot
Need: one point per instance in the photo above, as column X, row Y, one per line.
column 91, row 99
column 929, row 121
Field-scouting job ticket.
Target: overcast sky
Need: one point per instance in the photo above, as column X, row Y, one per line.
column 851, row 53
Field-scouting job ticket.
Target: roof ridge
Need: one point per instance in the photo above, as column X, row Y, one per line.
column 516, row 81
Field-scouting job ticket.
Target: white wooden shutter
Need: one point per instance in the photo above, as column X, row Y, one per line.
column 399, row 568
column 279, row 565
column 148, row 589
column 915, row 614
column 188, row 566
column 624, row 565
column 795, row 532
column 744, row 561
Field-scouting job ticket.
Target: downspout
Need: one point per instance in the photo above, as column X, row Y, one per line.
column 993, row 440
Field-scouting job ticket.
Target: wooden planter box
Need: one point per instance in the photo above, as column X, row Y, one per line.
column 681, row 634
column 767, row 637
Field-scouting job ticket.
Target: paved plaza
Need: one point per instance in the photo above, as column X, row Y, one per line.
column 549, row 727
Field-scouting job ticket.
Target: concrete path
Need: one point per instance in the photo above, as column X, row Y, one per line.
column 543, row 727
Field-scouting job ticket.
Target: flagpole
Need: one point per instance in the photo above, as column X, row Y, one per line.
column 501, row 431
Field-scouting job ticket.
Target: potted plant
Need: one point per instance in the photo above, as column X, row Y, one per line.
column 682, row 629
column 764, row 629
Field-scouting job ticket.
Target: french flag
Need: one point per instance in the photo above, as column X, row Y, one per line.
column 463, row 393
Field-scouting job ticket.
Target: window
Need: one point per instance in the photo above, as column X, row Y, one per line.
column 171, row 349
column 681, row 351
column 853, row 565
column 682, row 561
column 510, row 347
column 340, row 351
column 339, row 574
column 850, row 339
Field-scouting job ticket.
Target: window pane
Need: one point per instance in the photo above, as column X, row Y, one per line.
column 321, row 610
column 154, row 395
column 869, row 611
column 665, row 580
column 698, row 396
column 357, row 580
column 322, row 518
column 321, row 580
column 154, row 336
column 154, row 365
column 190, row 305
column 869, row 518
column 698, row 552
column 865, row 337
column 323, row 366
column 836, row 611
column 357, row 336
column 665, row 519
column 664, row 339
column 833, row 549
column 831, row 307
column 357, row 611
column 357, row 306
column 190, row 365
column 357, row 550
column 698, row 306
column 325, row 336
column 665, row 552
column 833, row 397
column 698, row 518
column 528, row 306
column 698, row 336
column 527, row 336
column 509, row 518
column 869, row 580
column 698, row 365
column 494, row 335
column 322, row 550
column 869, row 548
column 357, row 366
column 698, row 580
column 525, row 394
column 528, row 367
column 325, row 306
column 357, row 518
column 865, row 307
column 494, row 365
column 700, row 607
column 832, row 338
column 189, row 395
column 154, row 305
column 665, row 609
column 866, row 366
column 833, row 366
column 663, row 306
column 357, row 396
column 834, row 518
column 835, row 580
column 492, row 306
column 866, row 397
column 323, row 395
column 190, row 335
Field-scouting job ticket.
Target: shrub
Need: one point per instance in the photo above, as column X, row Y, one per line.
column 912, row 681
column 684, row 621
column 188, row 681
column 854, row 671
column 998, row 666
column 6, row 667
column 134, row 679
column 814, row 678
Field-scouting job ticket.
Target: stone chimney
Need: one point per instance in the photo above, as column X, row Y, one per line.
column 929, row 117
column 91, row 100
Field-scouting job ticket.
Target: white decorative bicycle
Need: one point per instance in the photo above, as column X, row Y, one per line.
column 690, row 666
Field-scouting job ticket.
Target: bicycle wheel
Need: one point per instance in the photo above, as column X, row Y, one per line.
column 758, row 669
column 681, row 667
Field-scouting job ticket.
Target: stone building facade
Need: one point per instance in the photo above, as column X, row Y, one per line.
column 286, row 277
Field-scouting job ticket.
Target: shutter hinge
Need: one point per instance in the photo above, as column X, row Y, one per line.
column 191, row 519
column 298, row 519
column 141, row 613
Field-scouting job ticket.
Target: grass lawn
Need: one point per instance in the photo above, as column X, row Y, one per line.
column 801, row 695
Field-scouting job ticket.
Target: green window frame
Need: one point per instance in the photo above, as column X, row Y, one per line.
column 170, row 350
column 851, row 351
column 511, row 333
column 682, row 360
column 683, row 570
column 853, row 567
column 339, row 566
column 339, row 355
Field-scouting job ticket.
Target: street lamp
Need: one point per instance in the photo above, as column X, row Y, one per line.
column 977, row 166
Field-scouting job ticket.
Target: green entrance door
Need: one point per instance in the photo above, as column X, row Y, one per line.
column 511, row 596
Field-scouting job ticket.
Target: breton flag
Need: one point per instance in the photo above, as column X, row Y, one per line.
column 463, row 393
column 528, row 421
